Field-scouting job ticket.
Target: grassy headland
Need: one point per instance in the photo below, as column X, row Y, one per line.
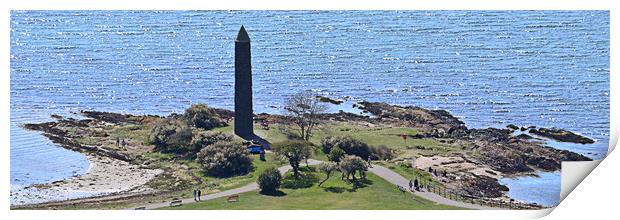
column 468, row 160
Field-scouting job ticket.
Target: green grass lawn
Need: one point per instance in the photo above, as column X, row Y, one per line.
column 374, row 136
column 215, row 184
column 378, row 194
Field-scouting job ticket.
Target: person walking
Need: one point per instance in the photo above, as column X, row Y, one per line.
column 369, row 165
column 416, row 185
column 194, row 195
column 199, row 194
column 411, row 185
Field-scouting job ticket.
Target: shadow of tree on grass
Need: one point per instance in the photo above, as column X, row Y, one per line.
column 335, row 189
column 359, row 184
column 278, row 193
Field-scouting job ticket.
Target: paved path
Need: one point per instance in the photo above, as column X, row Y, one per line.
column 399, row 180
column 247, row 188
column 380, row 171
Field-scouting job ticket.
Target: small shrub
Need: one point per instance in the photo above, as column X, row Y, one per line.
column 171, row 136
column 269, row 180
column 201, row 116
column 349, row 145
column 224, row 159
column 305, row 180
column 381, row 153
column 205, row 138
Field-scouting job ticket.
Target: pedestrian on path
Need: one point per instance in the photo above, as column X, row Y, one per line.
column 410, row 185
column 199, row 192
column 369, row 165
column 194, row 195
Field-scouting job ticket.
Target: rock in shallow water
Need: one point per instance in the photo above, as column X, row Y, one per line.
column 561, row 135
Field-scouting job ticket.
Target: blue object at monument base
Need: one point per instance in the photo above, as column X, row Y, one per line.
column 255, row 149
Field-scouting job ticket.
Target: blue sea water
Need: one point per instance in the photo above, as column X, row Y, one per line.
column 490, row 68
column 528, row 188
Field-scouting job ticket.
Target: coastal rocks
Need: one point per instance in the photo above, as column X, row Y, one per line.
column 117, row 118
column 490, row 134
column 414, row 116
column 543, row 163
column 565, row 155
column 515, row 156
column 53, row 131
column 524, row 137
column 512, row 127
column 561, row 135
column 505, row 161
column 481, row 186
column 329, row 100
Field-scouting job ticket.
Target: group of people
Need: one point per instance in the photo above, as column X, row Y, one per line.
column 197, row 194
column 414, row 184
column 120, row 142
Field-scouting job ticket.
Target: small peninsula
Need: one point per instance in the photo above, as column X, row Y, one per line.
column 469, row 161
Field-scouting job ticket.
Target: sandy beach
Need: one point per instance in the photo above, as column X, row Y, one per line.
column 105, row 176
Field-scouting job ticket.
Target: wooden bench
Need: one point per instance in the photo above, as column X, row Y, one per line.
column 233, row 198
column 175, row 203
column 141, row 208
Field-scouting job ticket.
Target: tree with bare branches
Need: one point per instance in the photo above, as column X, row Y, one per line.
column 304, row 108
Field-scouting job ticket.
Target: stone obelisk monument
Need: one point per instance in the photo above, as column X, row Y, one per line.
column 244, row 126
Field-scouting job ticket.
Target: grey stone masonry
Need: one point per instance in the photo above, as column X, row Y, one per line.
column 244, row 126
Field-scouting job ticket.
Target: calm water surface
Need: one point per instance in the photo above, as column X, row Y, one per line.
column 491, row 68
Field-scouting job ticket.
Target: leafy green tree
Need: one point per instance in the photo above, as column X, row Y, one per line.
column 328, row 169
column 269, row 180
column 171, row 135
column 351, row 165
column 224, row 159
column 336, row 154
column 201, row 116
column 294, row 151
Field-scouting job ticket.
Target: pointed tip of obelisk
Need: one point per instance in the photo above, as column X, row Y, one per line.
column 243, row 35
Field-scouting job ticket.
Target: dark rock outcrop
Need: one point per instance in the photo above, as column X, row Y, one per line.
column 482, row 186
column 329, row 100
column 117, row 118
column 440, row 120
column 512, row 127
column 561, row 135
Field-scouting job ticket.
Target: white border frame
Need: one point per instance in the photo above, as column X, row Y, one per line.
column 308, row 5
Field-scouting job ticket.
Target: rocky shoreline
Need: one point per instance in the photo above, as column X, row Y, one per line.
column 489, row 153
column 486, row 154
